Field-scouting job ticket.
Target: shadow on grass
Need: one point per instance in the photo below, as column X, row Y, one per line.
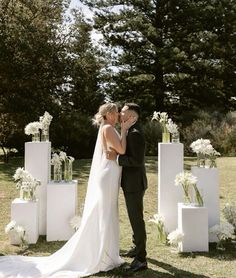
column 42, row 247
column 175, row 272
column 229, row 254
column 170, row 271
column 121, row 272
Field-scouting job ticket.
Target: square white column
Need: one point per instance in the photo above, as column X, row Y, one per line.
column 208, row 185
column 25, row 213
column 37, row 162
column 61, row 207
column 170, row 163
column 193, row 223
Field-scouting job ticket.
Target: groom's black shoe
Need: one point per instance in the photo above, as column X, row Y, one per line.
column 136, row 266
column 131, row 253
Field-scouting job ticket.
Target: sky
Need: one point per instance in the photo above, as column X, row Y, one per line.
column 78, row 4
column 95, row 36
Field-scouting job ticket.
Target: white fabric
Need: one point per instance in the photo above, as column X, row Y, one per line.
column 95, row 246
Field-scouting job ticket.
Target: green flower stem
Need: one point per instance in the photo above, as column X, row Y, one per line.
column 198, row 195
column 186, row 194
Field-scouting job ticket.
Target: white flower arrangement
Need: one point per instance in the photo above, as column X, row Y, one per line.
column 17, row 232
column 172, row 127
column 187, row 180
column 33, row 128
column 26, row 182
column 201, row 146
column 10, row 226
column 75, row 222
column 45, row 120
column 63, row 156
column 162, row 118
column 223, row 231
column 22, row 175
column 159, row 221
column 229, row 212
column 204, row 149
column 70, row 158
column 168, row 126
column 56, row 160
column 174, row 238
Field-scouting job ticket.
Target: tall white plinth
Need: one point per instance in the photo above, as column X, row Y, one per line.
column 170, row 163
column 25, row 213
column 61, row 207
column 193, row 223
column 208, row 185
column 37, row 162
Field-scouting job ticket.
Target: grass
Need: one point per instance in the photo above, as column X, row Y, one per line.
column 162, row 263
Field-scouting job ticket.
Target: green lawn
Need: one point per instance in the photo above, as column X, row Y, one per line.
column 162, row 263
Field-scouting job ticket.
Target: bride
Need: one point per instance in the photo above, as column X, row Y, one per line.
column 95, row 245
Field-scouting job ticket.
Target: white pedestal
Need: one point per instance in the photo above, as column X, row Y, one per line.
column 37, row 162
column 208, row 185
column 61, row 207
column 25, row 213
column 170, row 163
column 193, row 223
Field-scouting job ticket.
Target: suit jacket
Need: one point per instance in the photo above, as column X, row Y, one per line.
column 134, row 177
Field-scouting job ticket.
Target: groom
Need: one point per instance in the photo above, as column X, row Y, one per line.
column 134, row 184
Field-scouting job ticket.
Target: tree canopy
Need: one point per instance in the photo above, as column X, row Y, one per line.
column 174, row 56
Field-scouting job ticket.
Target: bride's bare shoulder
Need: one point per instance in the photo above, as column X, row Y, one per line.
column 109, row 130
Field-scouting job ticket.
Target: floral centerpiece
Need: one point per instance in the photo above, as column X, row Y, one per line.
column 159, row 221
column 204, row 151
column 188, row 181
column 26, row 183
column 57, row 167
column 162, row 117
column 59, row 160
column 45, row 121
column 229, row 212
column 68, row 160
column 224, row 231
column 34, row 130
column 174, row 239
column 17, row 233
column 173, row 129
column 167, row 127
column 75, row 222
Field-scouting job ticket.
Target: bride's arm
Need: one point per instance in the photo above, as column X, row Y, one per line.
column 111, row 137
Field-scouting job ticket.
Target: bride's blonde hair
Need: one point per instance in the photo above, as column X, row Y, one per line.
column 101, row 114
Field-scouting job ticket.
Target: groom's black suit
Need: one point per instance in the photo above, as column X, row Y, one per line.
column 134, row 183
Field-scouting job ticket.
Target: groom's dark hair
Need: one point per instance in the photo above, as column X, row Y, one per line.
column 133, row 106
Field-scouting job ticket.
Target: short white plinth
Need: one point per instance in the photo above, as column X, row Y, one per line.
column 61, row 207
column 170, row 163
column 193, row 223
column 37, row 162
column 25, row 213
column 208, row 185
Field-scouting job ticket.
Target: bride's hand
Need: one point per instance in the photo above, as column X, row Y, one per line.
column 125, row 125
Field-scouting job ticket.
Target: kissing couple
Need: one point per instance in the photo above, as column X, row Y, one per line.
column 118, row 159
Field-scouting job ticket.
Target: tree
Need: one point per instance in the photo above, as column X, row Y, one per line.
column 173, row 56
column 7, row 129
column 32, row 56
column 48, row 63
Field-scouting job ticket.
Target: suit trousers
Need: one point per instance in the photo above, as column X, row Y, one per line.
column 134, row 204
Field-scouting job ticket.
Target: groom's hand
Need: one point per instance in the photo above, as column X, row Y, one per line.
column 111, row 154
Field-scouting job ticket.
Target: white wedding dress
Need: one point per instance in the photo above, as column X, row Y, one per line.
column 95, row 245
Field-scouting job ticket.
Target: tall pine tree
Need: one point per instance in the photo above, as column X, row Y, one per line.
column 170, row 55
